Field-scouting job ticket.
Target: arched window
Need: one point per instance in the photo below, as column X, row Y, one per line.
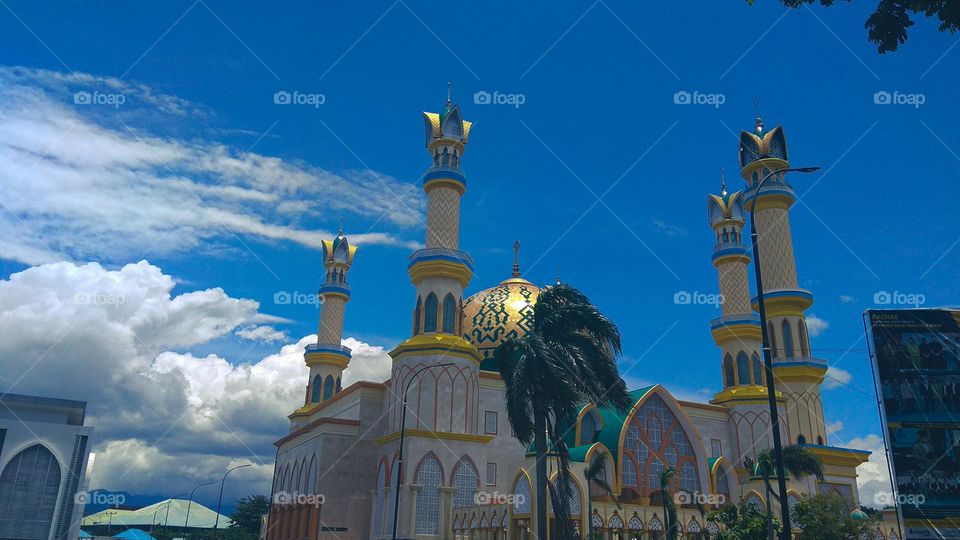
column 449, row 314
column 429, row 478
column 801, row 439
column 392, row 493
column 743, row 369
column 28, row 490
column 466, row 480
column 576, row 500
column 772, row 341
column 311, row 481
column 430, row 314
column 728, row 371
column 787, row 339
column 378, row 504
column 588, row 428
column 757, row 369
column 521, row 490
column 802, row 336
column 723, row 485
column 416, row 318
column 629, row 479
column 653, row 439
column 338, row 386
column 315, row 389
column 328, row 387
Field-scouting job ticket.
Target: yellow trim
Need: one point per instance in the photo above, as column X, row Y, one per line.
column 427, row 434
column 770, row 163
column 737, row 257
column 455, row 185
column 774, row 200
column 440, row 345
column 325, row 359
column 736, row 331
column 440, row 268
column 333, row 294
column 442, row 141
column 842, row 458
column 799, row 373
column 586, row 408
column 785, row 306
column 744, row 394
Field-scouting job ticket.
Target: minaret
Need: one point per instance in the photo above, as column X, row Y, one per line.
column 328, row 358
column 798, row 374
column 737, row 331
column 440, row 272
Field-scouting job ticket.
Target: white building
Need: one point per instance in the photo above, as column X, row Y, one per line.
column 44, row 449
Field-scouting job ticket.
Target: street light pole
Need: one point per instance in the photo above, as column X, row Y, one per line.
column 216, row 522
column 154, row 520
column 403, row 427
column 190, row 502
column 166, row 518
column 767, row 353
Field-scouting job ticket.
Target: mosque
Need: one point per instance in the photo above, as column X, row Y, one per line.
column 463, row 474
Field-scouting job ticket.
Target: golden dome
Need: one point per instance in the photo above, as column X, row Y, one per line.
column 495, row 314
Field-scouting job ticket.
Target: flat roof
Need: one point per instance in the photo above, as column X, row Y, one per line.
column 76, row 410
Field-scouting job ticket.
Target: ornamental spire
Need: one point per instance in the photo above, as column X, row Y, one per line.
column 449, row 92
column 759, row 120
column 516, row 258
column 723, row 184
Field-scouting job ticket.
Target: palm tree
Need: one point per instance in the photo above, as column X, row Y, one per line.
column 596, row 473
column 798, row 461
column 567, row 358
column 669, row 509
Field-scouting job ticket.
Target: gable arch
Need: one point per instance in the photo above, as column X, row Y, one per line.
column 34, row 474
column 611, row 469
column 521, row 505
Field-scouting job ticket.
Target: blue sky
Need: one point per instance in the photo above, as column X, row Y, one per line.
column 598, row 121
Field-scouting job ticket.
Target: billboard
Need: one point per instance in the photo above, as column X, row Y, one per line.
column 916, row 355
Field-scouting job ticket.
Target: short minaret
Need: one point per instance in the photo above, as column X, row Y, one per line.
column 737, row 331
column 328, row 358
column 798, row 374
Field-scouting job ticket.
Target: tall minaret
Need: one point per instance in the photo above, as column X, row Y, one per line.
column 737, row 331
column 440, row 272
column 328, row 358
column 798, row 374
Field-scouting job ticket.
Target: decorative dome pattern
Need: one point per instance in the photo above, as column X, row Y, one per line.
column 493, row 315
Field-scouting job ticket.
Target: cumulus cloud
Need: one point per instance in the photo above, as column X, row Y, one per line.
column 266, row 334
column 816, row 325
column 165, row 418
column 836, row 377
column 87, row 181
column 873, row 477
column 834, row 427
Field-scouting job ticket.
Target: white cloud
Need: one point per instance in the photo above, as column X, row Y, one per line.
column 83, row 181
column 667, row 228
column 816, row 325
column 846, row 299
column 836, row 377
column 163, row 416
column 873, row 477
column 834, row 427
column 266, row 334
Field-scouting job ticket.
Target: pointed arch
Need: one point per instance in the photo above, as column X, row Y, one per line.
column 430, row 307
column 312, row 476
column 465, row 481
column 378, row 505
column 576, row 495
column 328, row 387
column 755, row 499
column 449, row 314
column 728, row 372
column 803, row 338
column 772, row 341
column 758, row 378
column 315, row 388
column 743, row 369
column 29, row 486
column 787, row 338
column 429, row 477
column 522, row 494
column 417, row 316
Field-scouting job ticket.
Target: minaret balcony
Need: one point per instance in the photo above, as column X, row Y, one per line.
column 334, row 288
column 442, row 172
column 327, row 354
column 784, row 302
column 736, row 250
column 735, row 320
column 800, row 369
column 444, row 254
column 774, row 188
column 737, row 326
column 441, row 262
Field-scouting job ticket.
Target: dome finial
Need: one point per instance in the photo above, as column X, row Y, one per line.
column 759, row 120
column 340, row 232
column 723, row 184
column 516, row 258
column 449, row 92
